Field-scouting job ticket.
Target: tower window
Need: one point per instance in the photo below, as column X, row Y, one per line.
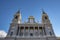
column 11, row 33
column 45, row 17
column 16, row 17
column 50, row 33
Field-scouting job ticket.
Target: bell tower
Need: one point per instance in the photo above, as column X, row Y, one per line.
column 47, row 25
column 14, row 24
column 45, row 18
column 17, row 17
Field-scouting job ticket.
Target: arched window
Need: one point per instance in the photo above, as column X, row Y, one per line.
column 46, row 17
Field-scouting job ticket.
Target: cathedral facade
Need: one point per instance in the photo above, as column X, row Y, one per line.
column 30, row 30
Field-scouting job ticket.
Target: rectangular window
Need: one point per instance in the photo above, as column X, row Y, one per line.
column 11, row 33
column 50, row 33
column 26, row 28
column 36, row 28
column 17, row 30
column 40, row 28
column 31, row 28
column 21, row 28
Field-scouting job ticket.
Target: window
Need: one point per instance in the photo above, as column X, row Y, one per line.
column 50, row 33
column 21, row 27
column 40, row 28
column 45, row 17
column 17, row 30
column 11, row 33
column 26, row 28
column 31, row 27
column 31, row 34
column 31, row 20
column 36, row 28
column 16, row 17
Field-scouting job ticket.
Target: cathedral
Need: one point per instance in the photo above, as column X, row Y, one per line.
column 30, row 30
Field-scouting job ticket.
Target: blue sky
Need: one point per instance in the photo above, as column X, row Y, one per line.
column 30, row 7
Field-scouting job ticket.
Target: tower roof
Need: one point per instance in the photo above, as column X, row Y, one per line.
column 43, row 12
column 18, row 11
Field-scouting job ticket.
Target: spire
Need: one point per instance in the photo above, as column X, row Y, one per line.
column 18, row 11
column 43, row 12
column 45, row 18
column 17, row 17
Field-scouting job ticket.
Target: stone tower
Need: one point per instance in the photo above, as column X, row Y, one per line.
column 17, row 18
column 47, row 25
column 13, row 26
column 31, row 30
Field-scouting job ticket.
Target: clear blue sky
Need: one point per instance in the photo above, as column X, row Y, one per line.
column 30, row 7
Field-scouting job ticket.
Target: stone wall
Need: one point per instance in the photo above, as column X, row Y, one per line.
column 42, row 38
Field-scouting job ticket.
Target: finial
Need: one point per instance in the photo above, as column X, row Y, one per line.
column 43, row 11
column 18, row 11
